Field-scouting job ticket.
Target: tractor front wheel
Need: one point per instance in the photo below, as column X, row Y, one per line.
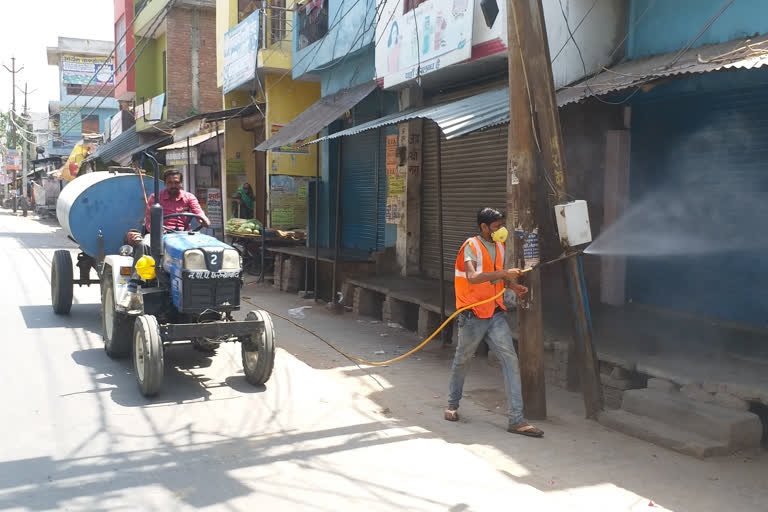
column 259, row 350
column 148, row 355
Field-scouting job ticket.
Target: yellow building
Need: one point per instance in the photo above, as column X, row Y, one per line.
column 279, row 177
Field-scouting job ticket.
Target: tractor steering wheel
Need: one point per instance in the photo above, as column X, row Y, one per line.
column 189, row 217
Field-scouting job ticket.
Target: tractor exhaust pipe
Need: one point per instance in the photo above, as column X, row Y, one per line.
column 156, row 216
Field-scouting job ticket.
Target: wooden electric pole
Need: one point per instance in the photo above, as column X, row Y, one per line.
column 521, row 208
column 532, row 31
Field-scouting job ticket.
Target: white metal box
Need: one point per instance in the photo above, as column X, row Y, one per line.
column 573, row 223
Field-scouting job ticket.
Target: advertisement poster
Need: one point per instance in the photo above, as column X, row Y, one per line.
column 434, row 35
column 13, row 160
column 293, row 149
column 395, row 183
column 241, row 47
column 288, row 201
column 79, row 70
column 213, row 208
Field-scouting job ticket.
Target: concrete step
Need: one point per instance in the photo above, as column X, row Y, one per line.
column 663, row 434
column 731, row 427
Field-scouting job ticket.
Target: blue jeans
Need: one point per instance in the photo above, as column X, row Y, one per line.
column 496, row 332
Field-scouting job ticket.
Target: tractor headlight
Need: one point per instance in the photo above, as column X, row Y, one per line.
column 194, row 260
column 230, row 260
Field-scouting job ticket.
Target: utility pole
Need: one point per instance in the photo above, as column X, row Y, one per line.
column 13, row 72
column 521, row 208
column 25, row 150
column 532, row 32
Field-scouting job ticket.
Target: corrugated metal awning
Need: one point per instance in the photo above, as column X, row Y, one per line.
column 122, row 143
column 454, row 119
column 736, row 54
column 126, row 157
column 318, row 116
column 193, row 141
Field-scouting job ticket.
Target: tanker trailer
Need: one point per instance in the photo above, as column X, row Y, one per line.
column 189, row 285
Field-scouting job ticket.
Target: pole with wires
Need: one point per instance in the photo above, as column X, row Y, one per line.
column 13, row 72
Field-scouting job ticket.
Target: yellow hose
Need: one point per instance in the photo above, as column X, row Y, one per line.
column 398, row 358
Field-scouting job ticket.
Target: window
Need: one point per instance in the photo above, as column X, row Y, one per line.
column 122, row 43
column 247, row 7
column 88, row 90
column 276, row 21
column 312, row 22
column 409, row 5
column 90, row 124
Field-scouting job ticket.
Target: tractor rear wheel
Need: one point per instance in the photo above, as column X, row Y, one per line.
column 259, row 350
column 61, row 282
column 148, row 358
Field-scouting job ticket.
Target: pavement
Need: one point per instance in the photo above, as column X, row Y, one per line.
column 323, row 434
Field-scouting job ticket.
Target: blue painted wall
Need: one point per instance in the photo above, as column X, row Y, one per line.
column 351, row 27
column 349, row 72
column 668, row 25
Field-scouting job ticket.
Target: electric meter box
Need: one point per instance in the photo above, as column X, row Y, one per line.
column 573, row 223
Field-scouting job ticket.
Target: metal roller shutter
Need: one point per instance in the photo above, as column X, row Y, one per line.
column 360, row 197
column 474, row 176
column 704, row 154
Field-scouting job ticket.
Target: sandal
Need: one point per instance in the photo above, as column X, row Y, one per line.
column 451, row 414
column 525, row 429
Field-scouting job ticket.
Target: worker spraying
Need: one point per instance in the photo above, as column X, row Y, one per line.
column 479, row 277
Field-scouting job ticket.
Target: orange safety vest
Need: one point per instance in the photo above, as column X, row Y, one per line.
column 468, row 294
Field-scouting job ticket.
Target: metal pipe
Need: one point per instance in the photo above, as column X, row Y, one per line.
column 156, row 216
column 221, row 171
column 337, row 241
column 189, row 164
column 446, row 339
column 317, row 213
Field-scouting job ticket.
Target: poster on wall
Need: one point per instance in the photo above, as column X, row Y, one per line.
column 213, row 208
column 78, row 70
column 293, row 149
column 395, row 183
column 432, row 36
column 288, row 201
column 241, row 47
column 13, row 160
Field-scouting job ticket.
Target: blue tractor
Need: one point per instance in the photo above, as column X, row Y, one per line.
column 188, row 295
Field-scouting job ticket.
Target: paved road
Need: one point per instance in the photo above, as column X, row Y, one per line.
column 77, row 435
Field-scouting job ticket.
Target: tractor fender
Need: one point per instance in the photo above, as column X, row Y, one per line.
column 115, row 262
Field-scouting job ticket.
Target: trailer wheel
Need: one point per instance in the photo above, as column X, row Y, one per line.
column 259, row 350
column 148, row 355
column 61, row 282
column 116, row 327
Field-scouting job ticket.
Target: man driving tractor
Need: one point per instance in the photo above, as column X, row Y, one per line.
column 173, row 200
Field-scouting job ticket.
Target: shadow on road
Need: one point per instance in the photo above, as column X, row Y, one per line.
column 35, row 240
column 82, row 316
column 92, row 480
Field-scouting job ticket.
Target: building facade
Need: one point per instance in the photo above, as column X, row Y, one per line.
column 85, row 103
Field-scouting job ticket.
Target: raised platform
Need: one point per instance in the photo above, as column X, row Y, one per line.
column 326, row 255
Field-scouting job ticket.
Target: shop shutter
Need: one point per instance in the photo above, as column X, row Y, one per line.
column 704, row 146
column 362, row 206
column 474, row 170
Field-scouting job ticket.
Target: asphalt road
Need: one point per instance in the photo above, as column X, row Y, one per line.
column 75, row 434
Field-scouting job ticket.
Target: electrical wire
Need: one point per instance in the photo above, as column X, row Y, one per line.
column 701, row 32
column 146, row 41
column 570, row 38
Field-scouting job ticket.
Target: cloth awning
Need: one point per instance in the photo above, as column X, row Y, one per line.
column 455, row 119
column 318, row 116
column 736, row 54
column 193, row 141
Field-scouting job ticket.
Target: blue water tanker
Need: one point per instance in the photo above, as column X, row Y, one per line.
column 103, row 203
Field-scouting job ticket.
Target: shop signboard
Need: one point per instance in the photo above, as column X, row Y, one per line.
column 214, row 208
column 13, row 160
column 82, row 70
column 432, row 36
column 241, row 47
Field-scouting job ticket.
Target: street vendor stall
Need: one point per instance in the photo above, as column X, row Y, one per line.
column 251, row 239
